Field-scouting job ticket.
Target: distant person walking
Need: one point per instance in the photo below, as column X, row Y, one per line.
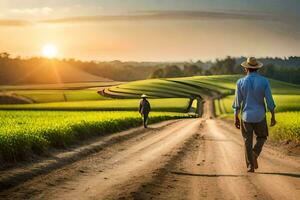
column 251, row 93
column 144, row 109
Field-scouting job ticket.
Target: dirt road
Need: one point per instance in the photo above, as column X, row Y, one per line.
column 181, row 159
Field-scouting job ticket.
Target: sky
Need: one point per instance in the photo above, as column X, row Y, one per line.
column 151, row 30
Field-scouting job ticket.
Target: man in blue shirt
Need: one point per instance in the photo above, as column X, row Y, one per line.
column 251, row 93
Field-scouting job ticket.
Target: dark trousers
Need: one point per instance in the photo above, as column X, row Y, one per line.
column 145, row 119
column 261, row 131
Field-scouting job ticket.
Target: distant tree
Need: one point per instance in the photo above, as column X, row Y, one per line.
column 159, row 73
column 226, row 66
column 4, row 55
column 167, row 72
column 41, row 70
column 268, row 70
column 192, row 70
column 172, row 71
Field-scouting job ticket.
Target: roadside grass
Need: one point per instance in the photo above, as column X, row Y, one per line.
column 169, row 104
column 284, row 103
column 23, row 133
column 287, row 127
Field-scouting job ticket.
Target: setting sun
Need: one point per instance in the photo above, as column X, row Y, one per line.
column 50, row 51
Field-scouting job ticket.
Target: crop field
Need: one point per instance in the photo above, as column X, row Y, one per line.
column 32, row 128
column 283, row 103
column 61, row 86
column 59, row 92
column 287, row 127
column 287, row 115
column 26, row 132
column 169, row 104
column 188, row 86
column 158, row 88
column 43, row 96
column 166, row 88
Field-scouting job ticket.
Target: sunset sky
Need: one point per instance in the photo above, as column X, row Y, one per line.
column 151, row 30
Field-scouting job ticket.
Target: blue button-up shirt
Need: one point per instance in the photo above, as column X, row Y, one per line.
column 251, row 92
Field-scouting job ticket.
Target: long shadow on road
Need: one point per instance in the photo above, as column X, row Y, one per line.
column 294, row 175
column 208, row 175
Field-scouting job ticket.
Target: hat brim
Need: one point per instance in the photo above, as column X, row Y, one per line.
column 144, row 96
column 246, row 65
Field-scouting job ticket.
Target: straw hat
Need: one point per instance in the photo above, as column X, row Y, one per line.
column 144, row 96
column 252, row 63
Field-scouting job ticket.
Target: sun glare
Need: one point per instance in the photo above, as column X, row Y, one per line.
column 49, row 51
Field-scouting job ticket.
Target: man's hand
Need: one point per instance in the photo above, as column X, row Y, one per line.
column 237, row 122
column 273, row 121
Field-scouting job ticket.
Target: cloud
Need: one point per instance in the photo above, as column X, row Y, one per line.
column 11, row 22
column 33, row 11
column 158, row 15
column 166, row 15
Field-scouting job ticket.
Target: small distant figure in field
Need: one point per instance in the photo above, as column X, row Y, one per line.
column 251, row 91
column 144, row 109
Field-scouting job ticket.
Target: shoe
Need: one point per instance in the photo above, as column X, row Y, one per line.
column 251, row 170
column 255, row 163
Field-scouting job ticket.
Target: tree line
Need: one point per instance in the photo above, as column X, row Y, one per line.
column 34, row 70
column 39, row 70
column 281, row 69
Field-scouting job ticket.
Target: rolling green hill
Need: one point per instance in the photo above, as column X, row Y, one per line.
column 43, row 93
column 169, row 104
column 188, row 86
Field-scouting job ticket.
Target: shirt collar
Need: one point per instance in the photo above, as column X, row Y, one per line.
column 253, row 74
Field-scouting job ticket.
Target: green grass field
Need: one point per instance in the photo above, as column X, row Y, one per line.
column 26, row 132
column 61, row 86
column 166, row 88
column 169, row 104
column 284, row 103
column 158, row 88
column 59, row 92
column 32, row 128
column 287, row 116
column 189, row 86
column 43, row 96
column 287, row 128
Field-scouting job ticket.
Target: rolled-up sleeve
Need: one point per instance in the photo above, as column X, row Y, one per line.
column 269, row 98
column 237, row 100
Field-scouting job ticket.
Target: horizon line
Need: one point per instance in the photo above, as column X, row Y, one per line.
column 148, row 61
